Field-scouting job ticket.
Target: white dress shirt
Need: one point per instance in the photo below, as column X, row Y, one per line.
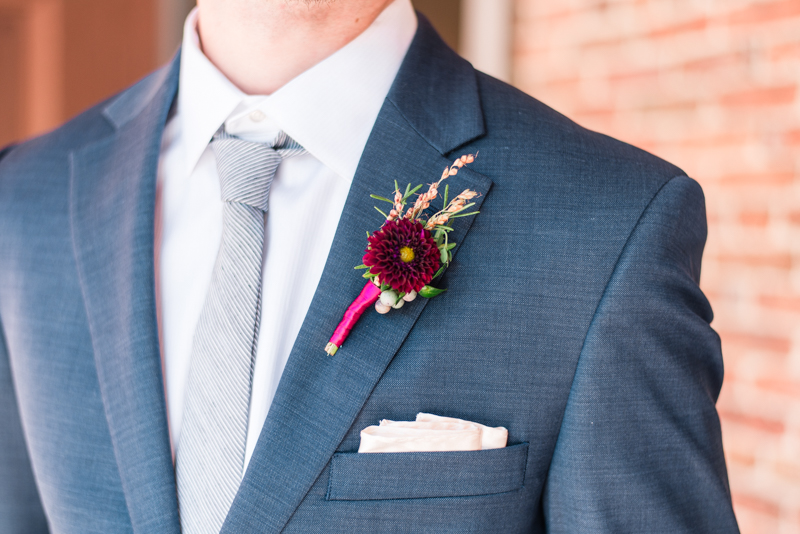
column 330, row 110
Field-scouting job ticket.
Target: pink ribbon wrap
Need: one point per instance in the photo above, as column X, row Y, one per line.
column 364, row 300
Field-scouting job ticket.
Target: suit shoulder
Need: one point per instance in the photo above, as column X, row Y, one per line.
column 4, row 151
column 529, row 127
column 88, row 126
column 51, row 148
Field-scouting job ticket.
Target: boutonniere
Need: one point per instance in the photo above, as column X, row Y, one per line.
column 408, row 252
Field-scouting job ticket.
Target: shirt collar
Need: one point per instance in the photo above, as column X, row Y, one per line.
column 330, row 109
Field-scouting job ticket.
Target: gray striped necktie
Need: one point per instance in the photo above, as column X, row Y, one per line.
column 210, row 456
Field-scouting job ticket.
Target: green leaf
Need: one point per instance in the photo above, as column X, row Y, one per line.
column 445, row 228
column 409, row 193
column 464, row 208
column 459, row 214
column 429, row 292
column 439, row 272
column 451, row 246
column 396, row 187
column 444, row 255
column 379, row 211
column 376, row 197
column 362, row 266
column 446, row 190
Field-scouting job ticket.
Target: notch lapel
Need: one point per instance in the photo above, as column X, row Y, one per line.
column 319, row 396
column 112, row 198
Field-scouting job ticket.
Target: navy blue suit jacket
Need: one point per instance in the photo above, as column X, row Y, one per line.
column 573, row 318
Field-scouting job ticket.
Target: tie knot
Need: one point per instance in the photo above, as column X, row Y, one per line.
column 246, row 168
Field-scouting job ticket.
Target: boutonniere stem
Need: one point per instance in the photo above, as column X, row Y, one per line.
column 368, row 296
column 408, row 252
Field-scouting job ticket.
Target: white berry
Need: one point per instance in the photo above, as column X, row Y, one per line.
column 388, row 297
column 381, row 308
column 408, row 297
column 398, row 304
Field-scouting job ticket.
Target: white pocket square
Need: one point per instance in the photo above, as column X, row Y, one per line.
column 431, row 433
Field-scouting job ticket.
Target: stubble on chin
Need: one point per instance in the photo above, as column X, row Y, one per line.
column 309, row 3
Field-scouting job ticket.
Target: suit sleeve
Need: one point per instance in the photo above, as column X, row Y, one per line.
column 20, row 507
column 640, row 448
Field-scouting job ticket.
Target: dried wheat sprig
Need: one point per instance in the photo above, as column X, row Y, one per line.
column 424, row 200
column 397, row 209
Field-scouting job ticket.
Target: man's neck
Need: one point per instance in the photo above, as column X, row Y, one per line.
column 260, row 45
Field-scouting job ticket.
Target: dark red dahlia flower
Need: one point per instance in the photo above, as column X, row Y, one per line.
column 403, row 254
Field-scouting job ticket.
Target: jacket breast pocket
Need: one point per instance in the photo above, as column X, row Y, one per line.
column 420, row 475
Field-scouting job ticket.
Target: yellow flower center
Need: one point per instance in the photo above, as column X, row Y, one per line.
column 406, row 255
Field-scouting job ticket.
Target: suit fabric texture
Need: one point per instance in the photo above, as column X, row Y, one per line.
column 573, row 318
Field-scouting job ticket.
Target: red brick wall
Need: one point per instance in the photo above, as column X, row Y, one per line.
column 58, row 57
column 712, row 86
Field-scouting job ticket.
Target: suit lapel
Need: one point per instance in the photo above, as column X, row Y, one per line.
column 432, row 109
column 112, row 212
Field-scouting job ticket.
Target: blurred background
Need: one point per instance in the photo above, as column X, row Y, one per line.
column 711, row 85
